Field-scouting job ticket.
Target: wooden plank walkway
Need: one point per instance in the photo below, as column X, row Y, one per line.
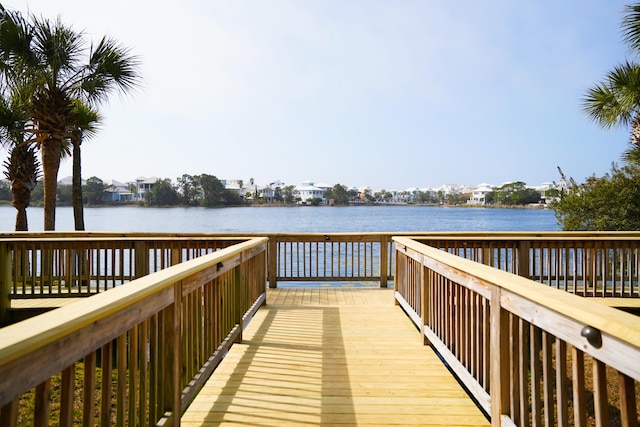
column 332, row 356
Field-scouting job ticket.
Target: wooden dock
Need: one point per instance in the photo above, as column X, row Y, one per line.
column 332, row 356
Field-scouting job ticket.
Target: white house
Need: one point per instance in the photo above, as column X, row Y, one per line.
column 308, row 190
column 277, row 187
column 144, row 185
column 266, row 193
column 364, row 193
column 233, row 185
column 542, row 189
column 447, row 189
column 478, row 194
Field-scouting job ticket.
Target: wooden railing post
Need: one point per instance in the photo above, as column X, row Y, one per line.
column 523, row 259
column 141, row 259
column 499, row 364
column 384, row 260
column 396, row 280
column 425, row 286
column 172, row 355
column 176, row 254
column 5, row 283
column 240, row 284
column 273, row 261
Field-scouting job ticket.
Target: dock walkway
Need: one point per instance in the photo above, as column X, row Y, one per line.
column 332, row 356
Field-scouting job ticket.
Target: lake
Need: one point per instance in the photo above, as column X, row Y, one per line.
column 298, row 219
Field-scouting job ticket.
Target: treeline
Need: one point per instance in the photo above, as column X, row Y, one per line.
column 190, row 190
column 515, row 194
column 207, row 190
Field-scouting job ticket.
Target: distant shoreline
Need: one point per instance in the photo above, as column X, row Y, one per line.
column 280, row 205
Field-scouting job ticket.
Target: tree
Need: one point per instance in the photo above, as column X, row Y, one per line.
column 60, row 70
column 64, row 195
column 290, row 195
column 95, row 191
column 37, row 194
column 610, row 203
column 85, row 125
column 516, row 193
column 133, row 188
column 490, row 198
column 339, row 194
column 212, row 189
column 189, row 189
column 615, row 101
column 425, row 197
column 22, row 171
column 22, row 168
column 231, row 198
column 458, row 198
column 5, row 191
column 163, row 193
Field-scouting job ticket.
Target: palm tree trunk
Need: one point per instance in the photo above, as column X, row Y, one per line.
column 21, row 220
column 76, row 189
column 51, row 151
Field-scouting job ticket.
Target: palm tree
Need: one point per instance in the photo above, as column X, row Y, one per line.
column 615, row 101
column 86, row 120
column 22, row 171
column 21, row 168
column 61, row 70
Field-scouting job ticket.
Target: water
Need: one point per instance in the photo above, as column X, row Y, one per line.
column 299, row 219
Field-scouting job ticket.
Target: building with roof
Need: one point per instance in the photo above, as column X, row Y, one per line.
column 308, row 190
column 144, row 185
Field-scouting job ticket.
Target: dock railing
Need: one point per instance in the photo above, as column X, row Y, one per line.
column 73, row 265
column 333, row 257
column 573, row 261
column 597, row 264
column 137, row 353
column 527, row 353
column 78, row 264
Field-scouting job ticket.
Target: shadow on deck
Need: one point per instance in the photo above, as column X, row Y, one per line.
column 332, row 356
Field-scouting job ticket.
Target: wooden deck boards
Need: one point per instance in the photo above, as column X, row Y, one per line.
column 332, row 356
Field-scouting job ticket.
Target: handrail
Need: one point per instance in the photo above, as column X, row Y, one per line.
column 590, row 265
column 79, row 264
column 511, row 341
column 158, row 336
column 330, row 257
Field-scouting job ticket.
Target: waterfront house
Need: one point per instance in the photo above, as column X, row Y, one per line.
column 308, row 190
column 266, row 193
column 277, row 187
column 447, row 189
column 478, row 195
column 117, row 191
column 234, row 185
column 364, row 193
column 144, row 185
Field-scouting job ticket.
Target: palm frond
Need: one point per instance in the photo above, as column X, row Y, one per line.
column 616, row 99
column 60, row 50
column 631, row 27
column 631, row 156
column 110, row 67
column 87, row 120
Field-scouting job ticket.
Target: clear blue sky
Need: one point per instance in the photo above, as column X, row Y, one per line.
column 389, row 94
